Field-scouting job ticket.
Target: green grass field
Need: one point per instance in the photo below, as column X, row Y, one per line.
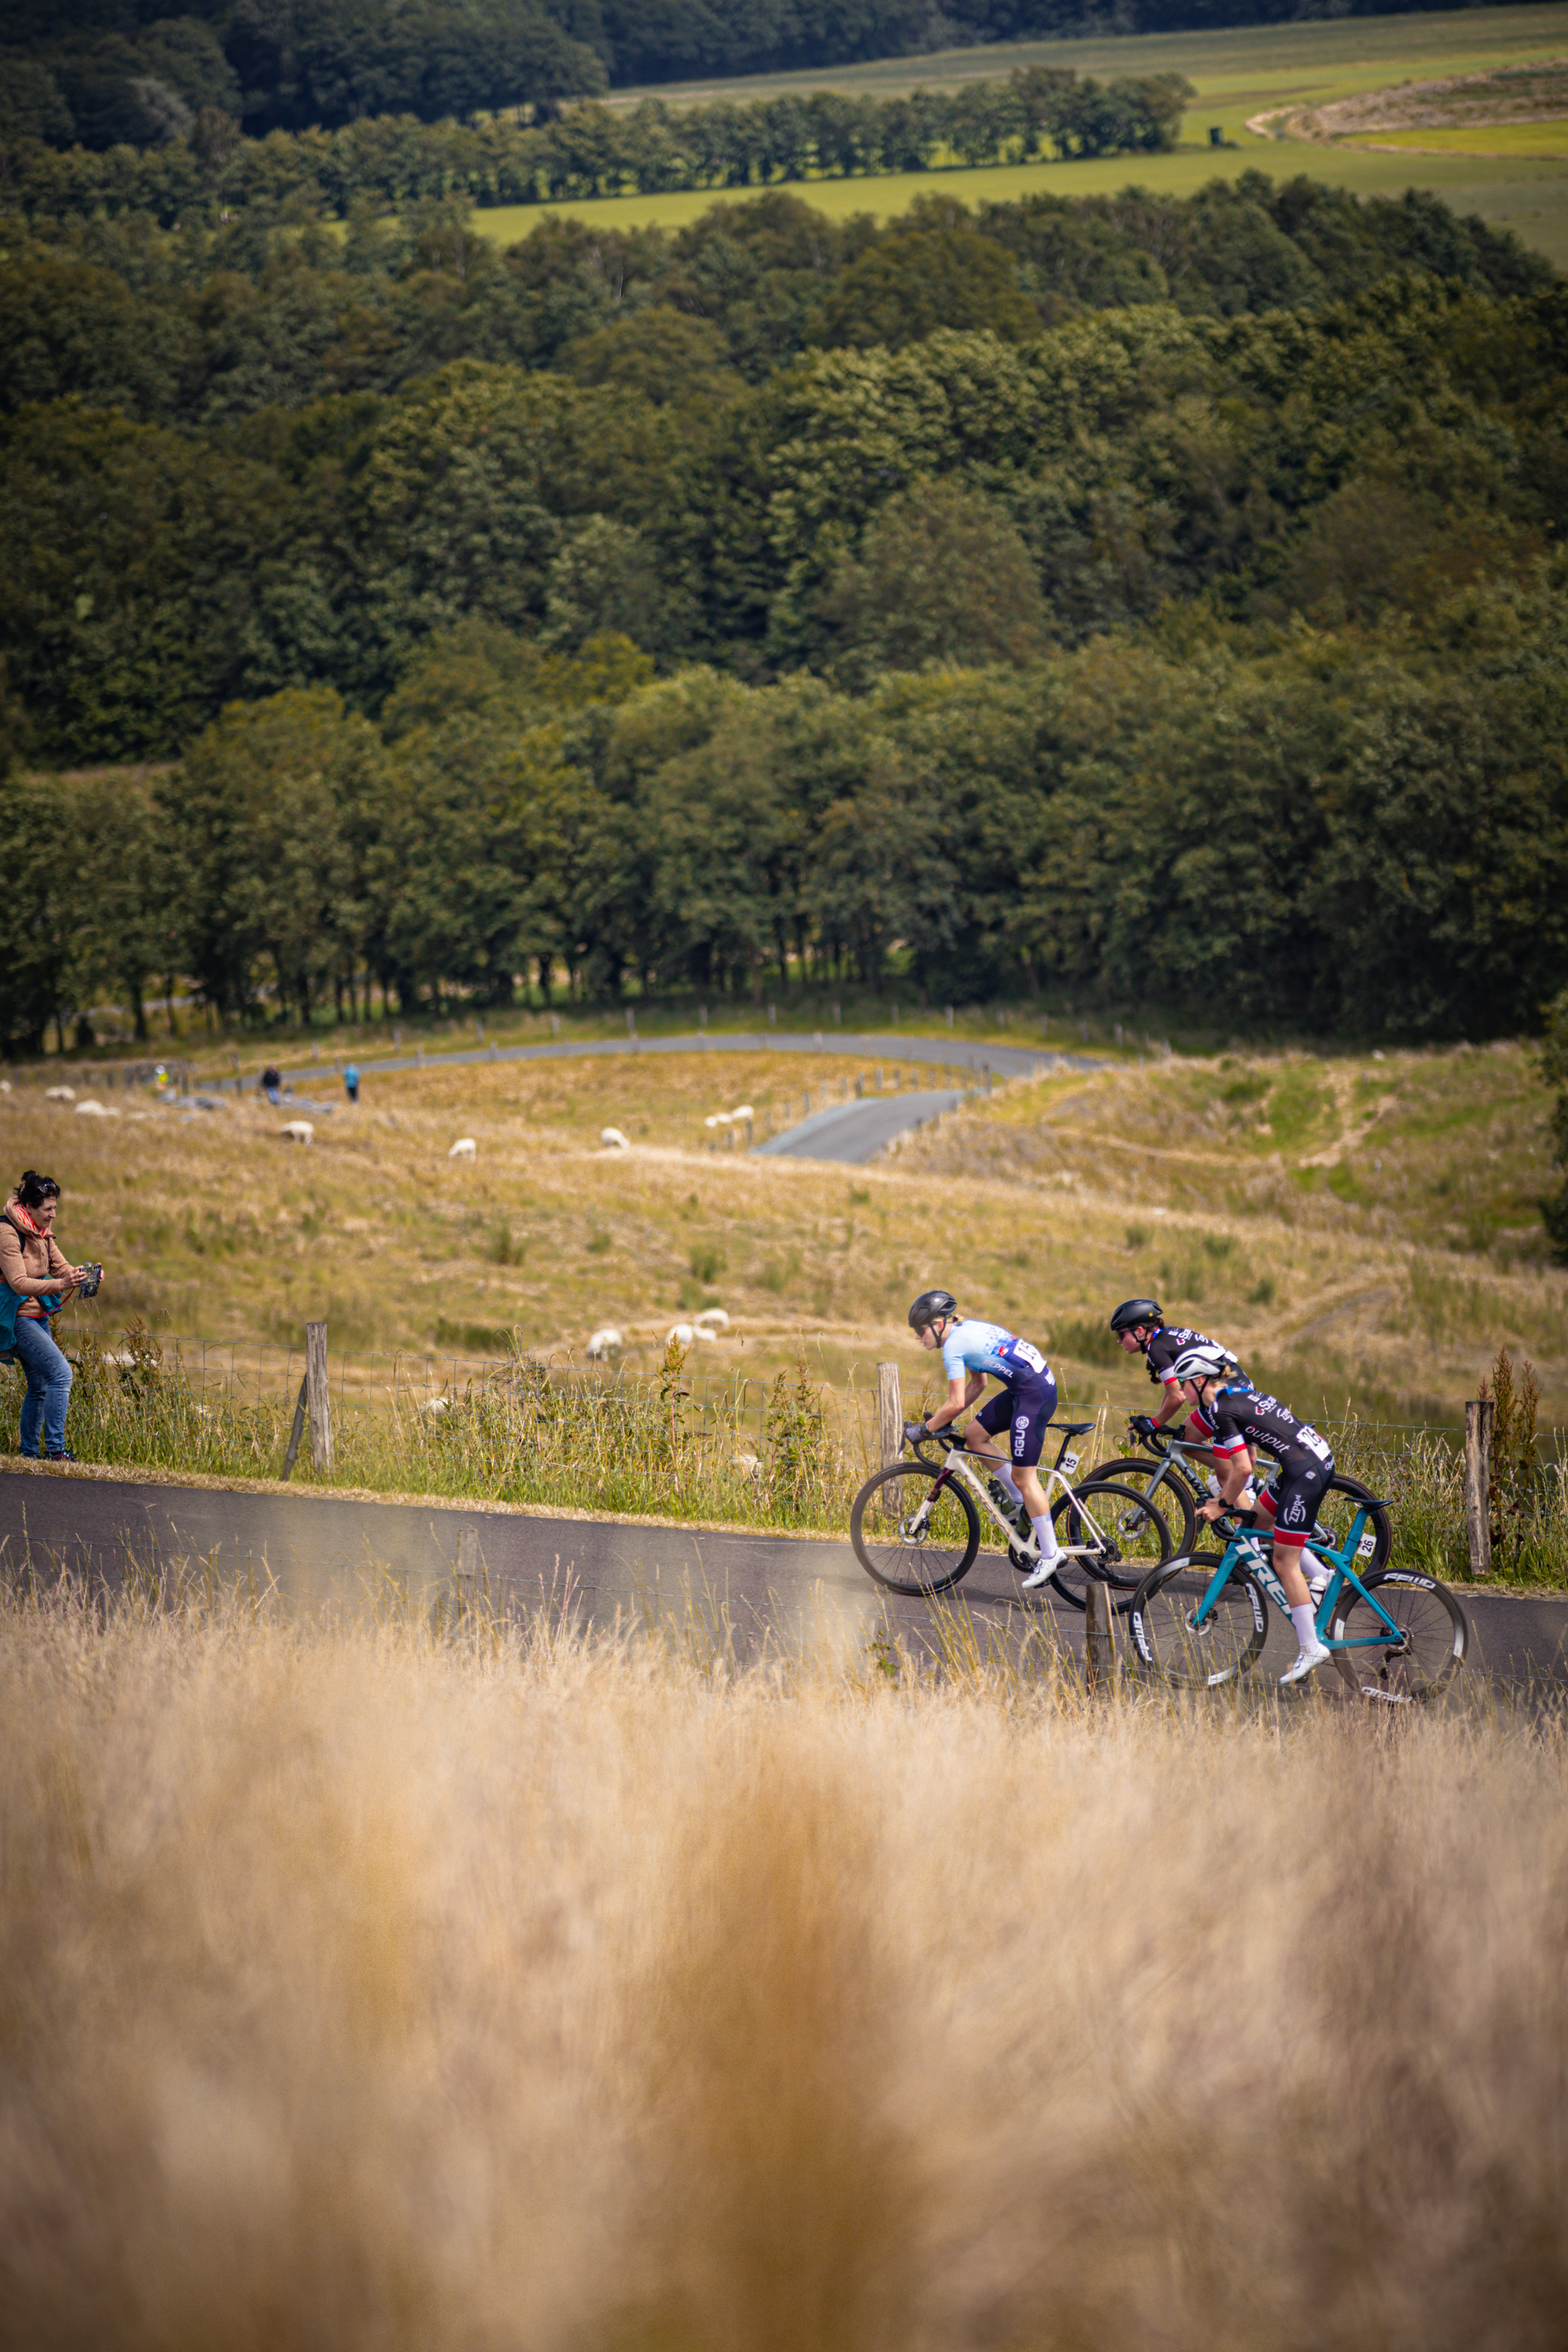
column 1508, row 175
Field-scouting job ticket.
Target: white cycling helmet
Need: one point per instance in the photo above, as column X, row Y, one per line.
column 1208, row 1363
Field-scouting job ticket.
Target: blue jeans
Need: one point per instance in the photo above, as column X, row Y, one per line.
column 48, row 1388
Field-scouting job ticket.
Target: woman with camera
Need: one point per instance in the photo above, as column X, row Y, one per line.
column 38, row 1280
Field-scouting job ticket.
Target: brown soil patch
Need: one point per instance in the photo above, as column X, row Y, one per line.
column 1519, row 94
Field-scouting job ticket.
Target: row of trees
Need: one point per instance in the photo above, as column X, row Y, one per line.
column 1343, row 833
column 206, row 327
column 854, row 511
column 591, row 150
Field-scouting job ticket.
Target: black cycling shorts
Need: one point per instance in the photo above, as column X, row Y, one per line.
column 1292, row 1504
column 1023, row 1411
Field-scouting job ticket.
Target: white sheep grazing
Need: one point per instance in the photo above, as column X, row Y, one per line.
column 90, row 1110
column 743, row 1112
column 717, row 1118
column 435, row 1407
column 713, row 1318
column 298, row 1131
column 613, row 1139
column 680, row 1334
column 608, row 1342
column 5, row 1085
column 59, row 1093
column 465, row 1148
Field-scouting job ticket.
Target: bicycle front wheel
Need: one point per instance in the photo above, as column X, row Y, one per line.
column 1409, row 1667
column 1122, row 1537
column 1172, row 1497
column 914, row 1530
column 1201, row 1652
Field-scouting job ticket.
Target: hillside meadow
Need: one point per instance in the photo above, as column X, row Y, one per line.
column 1363, row 1226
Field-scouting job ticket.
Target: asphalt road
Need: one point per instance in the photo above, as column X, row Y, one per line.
column 854, row 1132
column 886, row 1047
column 326, row 1552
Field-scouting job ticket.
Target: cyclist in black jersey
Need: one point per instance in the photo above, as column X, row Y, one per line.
column 1140, row 1327
column 1240, row 1419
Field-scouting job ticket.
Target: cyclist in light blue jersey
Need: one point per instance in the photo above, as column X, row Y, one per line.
column 971, row 1352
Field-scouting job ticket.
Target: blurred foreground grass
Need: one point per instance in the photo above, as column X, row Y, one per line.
column 364, row 1990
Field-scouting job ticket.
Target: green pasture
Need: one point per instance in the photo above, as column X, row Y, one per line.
column 1517, row 182
column 1532, row 141
column 1249, row 66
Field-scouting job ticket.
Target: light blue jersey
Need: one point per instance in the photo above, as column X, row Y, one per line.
column 972, row 1346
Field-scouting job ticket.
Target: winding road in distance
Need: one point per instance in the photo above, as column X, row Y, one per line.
column 849, row 1133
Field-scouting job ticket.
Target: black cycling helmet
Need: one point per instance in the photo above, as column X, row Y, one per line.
column 929, row 1306
column 1133, row 1311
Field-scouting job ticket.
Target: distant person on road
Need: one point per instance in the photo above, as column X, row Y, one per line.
column 271, row 1084
column 38, row 1280
column 351, row 1080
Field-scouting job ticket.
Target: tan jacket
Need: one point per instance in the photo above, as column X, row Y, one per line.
column 28, row 1264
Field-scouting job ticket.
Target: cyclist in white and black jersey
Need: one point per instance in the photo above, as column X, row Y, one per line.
column 1240, row 1419
column 971, row 1352
column 1141, row 1328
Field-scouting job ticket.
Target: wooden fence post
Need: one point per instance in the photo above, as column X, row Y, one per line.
column 890, row 1414
column 467, row 1575
column 1098, row 1637
column 296, row 1433
column 319, row 1395
column 1479, row 1413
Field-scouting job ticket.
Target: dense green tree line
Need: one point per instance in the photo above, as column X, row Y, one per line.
column 1129, row 597
column 591, row 150
column 105, row 72
column 111, row 73
column 202, row 329
column 352, row 488
column 1361, row 832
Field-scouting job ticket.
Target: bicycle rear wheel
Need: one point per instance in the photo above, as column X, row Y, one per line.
column 1172, row 1498
column 1421, row 1660
column 1173, row 1642
column 914, row 1530
column 1125, row 1538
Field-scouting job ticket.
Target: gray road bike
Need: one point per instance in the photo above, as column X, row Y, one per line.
column 916, row 1525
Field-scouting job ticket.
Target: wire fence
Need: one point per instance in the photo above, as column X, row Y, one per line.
column 681, row 1437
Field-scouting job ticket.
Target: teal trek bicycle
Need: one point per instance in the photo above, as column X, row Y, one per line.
column 1397, row 1637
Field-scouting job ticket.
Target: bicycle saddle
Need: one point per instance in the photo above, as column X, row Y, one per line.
column 1073, row 1428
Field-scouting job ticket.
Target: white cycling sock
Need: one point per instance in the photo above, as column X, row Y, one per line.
column 1012, row 1491
column 1306, row 1626
column 1045, row 1536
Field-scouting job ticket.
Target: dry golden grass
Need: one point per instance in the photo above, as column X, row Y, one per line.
column 1368, row 1227
column 359, row 1990
column 1364, row 1229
